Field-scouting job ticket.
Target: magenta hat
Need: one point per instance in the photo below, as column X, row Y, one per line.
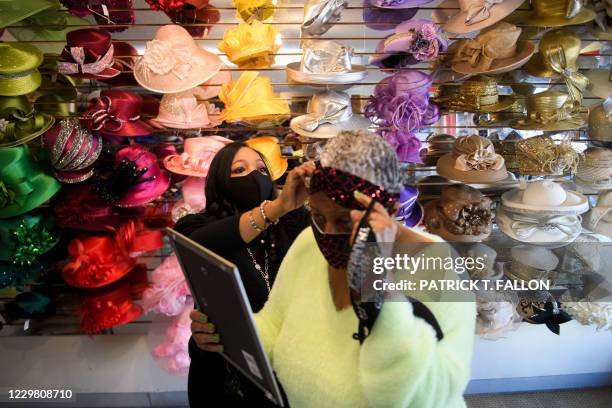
column 73, row 150
column 173, row 62
column 398, row 4
column 137, row 178
column 117, row 113
column 183, row 111
column 414, row 41
column 197, row 154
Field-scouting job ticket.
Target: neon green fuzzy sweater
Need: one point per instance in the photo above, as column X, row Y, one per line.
column 401, row 363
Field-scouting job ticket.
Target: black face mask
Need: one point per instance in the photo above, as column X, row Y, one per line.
column 336, row 248
column 249, row 191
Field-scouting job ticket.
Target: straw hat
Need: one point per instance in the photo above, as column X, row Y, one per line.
column 329, row 113
column 251, row 45
column 600, row 121
column 461, row 213
column 478, row 94
column 495, row 50
column 557, row 13
column 268, row 146
column 473, row 160
column 475, row 15
column 197, row 155
column 599, row 219
column 173, row 62
column 551, row 111
column 325, row 62
column 19, row 64
column 544, row 198
column 595, row 171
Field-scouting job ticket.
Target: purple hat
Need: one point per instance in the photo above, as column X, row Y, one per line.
column 398, row 4
column 410, row 212
column 402, row 101
column 414, row 41
column 406, row 144
column 384, row 19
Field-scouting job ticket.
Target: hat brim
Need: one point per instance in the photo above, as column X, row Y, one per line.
column 118, row 272
column 600, row 84
column 21, row 85
column 503, row 102
column 169, row 83
column 584, row 16
column 72, row 177
column 161, row 123
column 574, row 204
column 446, row 168
column 48, row 122
column 539, row 236
column 357, row 73
column 144, row 196
column 44, row 187
column 456, row 23
column 593, row 186
column 130, row 129
column 415, row 217
column 406, row 5
column 536, row 67
column 327, row 131
column 173, row 163
column 280, row 170
column 525, row 50
column 527, row 124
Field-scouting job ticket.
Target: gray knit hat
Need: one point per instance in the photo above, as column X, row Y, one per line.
column 365, row 155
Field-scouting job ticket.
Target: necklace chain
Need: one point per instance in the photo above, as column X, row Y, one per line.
column 264, row 273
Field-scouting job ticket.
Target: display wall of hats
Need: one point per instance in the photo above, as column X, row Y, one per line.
column 123, row 122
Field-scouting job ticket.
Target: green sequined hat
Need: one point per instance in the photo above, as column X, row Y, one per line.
column 23, row 184
column 24, row 239
column 19, row 121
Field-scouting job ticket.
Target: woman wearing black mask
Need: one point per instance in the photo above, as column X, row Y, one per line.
column 248, row 223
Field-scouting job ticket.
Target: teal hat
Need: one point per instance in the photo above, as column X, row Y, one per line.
column 23, row 184
column 19, row 64
column 13, row 11
column 25, row 238
column 19, row 122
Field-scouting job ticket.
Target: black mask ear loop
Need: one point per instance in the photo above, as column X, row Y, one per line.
column 366, row 304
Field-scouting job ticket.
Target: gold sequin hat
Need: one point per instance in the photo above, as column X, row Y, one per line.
column 551, row 111
column 541, row 156
column 557, row 13
column 251, row 45
column 557, row 57
column 479, row 94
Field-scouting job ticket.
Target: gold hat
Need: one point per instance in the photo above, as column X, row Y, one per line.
column 478, row 94
column 541, row 156
column 600, row 122
column 251, row 45
column 268, row 146
column 250, row 10
column 551, row 111
column 558, row 13
column 557, row 57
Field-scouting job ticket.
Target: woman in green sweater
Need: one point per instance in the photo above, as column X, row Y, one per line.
column 411, row 358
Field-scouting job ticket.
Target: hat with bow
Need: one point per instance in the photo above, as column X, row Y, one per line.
column 117, row 113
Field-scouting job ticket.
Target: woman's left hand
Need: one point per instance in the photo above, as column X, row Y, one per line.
column 379, row 220
column 294, row 192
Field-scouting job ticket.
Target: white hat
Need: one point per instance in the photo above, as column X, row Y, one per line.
column 544, row 198
column 548, row 231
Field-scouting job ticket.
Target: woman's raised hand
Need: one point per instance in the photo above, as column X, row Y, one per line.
column 295, row 191
column 203, row 333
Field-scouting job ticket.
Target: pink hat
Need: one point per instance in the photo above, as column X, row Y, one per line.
column 212, row 87
column 198, row 152
column 173, row 62
column 136, row 180
column 475, row 15
column 194, row 198
column 73, row 150
column 182, row 111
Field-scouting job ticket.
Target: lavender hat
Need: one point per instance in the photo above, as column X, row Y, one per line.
column 410, row 212
column 402, row 101
column 414, row 41
column 384, row 19
column 398, row 4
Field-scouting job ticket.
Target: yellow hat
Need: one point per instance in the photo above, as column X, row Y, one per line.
column 251, row 45
column 250, row 99
column 551, row 111
column 268, row 146
column 19, row 73
column 557, row 13
column 249, row 10
column 479, row 94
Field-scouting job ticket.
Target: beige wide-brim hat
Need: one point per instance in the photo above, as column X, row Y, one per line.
column 446, row 168
column 525, row 49
column 456, row 23
column 327, row 130
column 600, row 82
column 528, row 124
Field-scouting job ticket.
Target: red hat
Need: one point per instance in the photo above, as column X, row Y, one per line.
column 89, row 53
column 112, row 306
column 73, row 150
column 79, row 207
column 119, row 13
column 117, row 113
column 99, row 260
column 125, row 57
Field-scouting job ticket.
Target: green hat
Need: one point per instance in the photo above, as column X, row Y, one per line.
column 58, row 95
column 23, row 239
column 13, row 11
column 23, row 184
column 19, row 73
column 19, row 122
